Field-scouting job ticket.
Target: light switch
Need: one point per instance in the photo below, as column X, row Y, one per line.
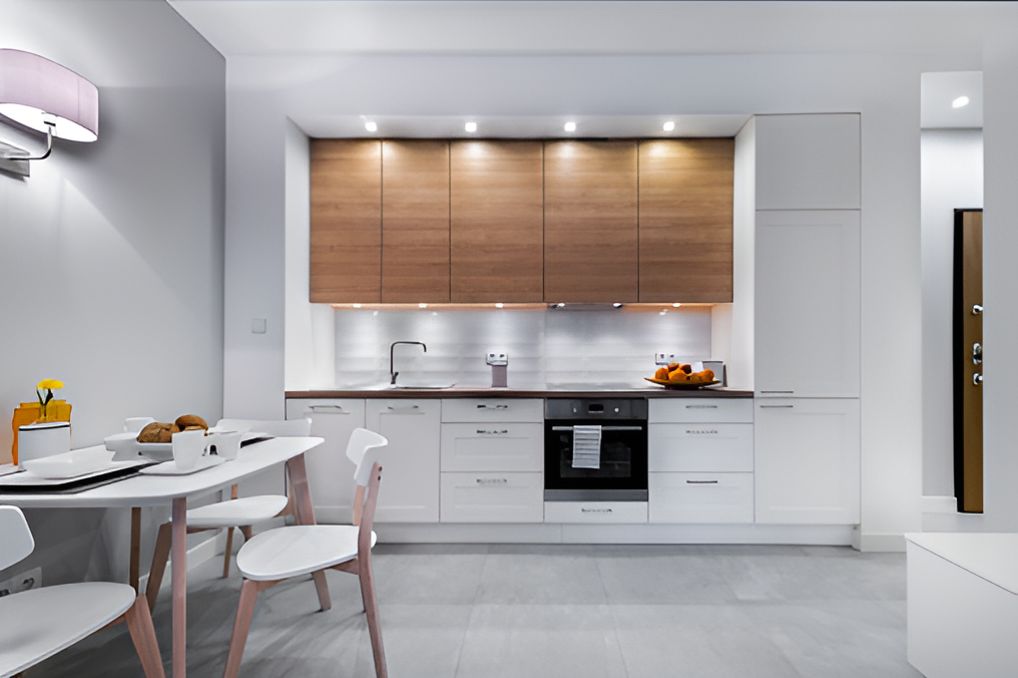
column 259, row 325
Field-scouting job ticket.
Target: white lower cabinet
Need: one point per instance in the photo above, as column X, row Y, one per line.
column 493, row 446
column 492, row 497
column 700, row 447
column 807, row 461
column 595, row 511
column 330, row 473
column 701, row 498
column 410, row 464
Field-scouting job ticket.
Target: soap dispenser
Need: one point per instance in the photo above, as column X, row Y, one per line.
column 499, row 369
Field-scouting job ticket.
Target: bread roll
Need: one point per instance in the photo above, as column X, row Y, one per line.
column 188, row 421
column 158, row 432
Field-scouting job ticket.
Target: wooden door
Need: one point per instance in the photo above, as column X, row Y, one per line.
column 968, row 367
column 415, row 221
column 686, row 220
column 497, row 231
column 590, row 217
column 807, row 306
column 346, row 220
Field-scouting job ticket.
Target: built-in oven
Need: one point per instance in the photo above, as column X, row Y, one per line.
column 614, row 470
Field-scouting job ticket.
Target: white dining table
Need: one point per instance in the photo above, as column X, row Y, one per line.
column 159, row 490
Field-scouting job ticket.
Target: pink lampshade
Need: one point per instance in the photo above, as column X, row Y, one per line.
column 35, row 91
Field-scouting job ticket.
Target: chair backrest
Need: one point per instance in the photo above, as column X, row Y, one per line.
column 281, row 428
column 16, row 541
column 362, row 450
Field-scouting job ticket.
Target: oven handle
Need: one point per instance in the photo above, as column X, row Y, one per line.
column 603, row 428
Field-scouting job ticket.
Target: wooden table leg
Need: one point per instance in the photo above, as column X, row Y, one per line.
column 135, row 570
column 305, row 511
column 179, row 559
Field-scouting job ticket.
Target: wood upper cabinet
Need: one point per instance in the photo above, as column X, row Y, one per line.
column 497, row 224
column 590, row 221
column 415, row 221
column 346, row 220
column 686, row 220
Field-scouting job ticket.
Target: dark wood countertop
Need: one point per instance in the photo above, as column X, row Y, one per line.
column 534, row 392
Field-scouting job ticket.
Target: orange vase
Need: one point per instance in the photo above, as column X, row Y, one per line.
column 31, row 412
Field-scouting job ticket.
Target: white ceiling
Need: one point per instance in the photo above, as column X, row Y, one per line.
column 246, row 27
column 939, row 90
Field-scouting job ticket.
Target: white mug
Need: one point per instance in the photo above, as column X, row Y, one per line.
column 135, row 424
column 188, row 446
column 227, row 443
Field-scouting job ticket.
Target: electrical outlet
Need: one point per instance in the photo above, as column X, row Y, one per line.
column 665, row 358
column 23, row 581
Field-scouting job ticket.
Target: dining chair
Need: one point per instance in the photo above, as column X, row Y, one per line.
column 235, row 513
column 299, row 550
column 39, row 623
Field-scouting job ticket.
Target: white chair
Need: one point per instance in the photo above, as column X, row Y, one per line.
column 39, row 623
column 299, row 550
column 240, row 513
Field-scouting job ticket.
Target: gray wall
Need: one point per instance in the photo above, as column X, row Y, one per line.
column 112, row 255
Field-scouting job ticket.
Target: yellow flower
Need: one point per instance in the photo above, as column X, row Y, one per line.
column 50, row 384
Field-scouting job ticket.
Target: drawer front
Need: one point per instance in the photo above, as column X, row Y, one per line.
column 595, row 511
column 492, row 446
column 521, row 410
column 700, row 447
column 492, row 497
column 701, row 498
column 700, row 410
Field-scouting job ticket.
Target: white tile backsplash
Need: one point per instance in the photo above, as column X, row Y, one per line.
column 584, row 347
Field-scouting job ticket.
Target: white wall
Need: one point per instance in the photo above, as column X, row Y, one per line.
column 741, row 372
column 111, row 262
column 952, row 178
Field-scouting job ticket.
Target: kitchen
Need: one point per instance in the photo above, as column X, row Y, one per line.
column 551, row 247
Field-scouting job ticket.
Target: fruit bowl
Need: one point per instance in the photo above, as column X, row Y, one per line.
column 689, row 385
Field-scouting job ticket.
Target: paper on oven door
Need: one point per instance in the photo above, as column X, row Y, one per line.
column 587, row 447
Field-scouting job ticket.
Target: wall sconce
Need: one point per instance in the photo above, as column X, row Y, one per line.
column 48, row 98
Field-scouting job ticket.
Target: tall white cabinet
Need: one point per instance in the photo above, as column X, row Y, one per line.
column 806, row 318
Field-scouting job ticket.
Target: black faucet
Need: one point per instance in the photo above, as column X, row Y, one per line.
column 392, row 348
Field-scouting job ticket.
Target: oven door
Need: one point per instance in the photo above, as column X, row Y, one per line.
column 622, row 475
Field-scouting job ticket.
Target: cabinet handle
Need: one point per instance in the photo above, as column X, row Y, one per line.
column 701, row 407
column 977, row 379
column 603, row 428
column 490, row 432
column 499, row 406
column 702, row 432
column 701, row 482
column 409, row 409
column 777, row 407
column 338, row 409
column 596, row 510
column 492, row 481
column 787, row 392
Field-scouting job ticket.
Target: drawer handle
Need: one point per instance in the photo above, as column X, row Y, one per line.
column 777, row 407
column 338, row 409
column 777, row 391
column 603, row 428
column 408, row 409
column 701, row 407
column 490, row 432
column 702, row 432
column 701, row 482
column 485, row 406
column 492, row 481
column 596, row 510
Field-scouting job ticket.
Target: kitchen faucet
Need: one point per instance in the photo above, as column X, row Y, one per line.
column 392, row 348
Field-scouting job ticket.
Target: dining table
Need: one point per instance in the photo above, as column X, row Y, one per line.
column 145, row 490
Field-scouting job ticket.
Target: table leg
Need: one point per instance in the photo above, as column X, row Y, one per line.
column 305, row 511
column 135, row 571
column 179, row 559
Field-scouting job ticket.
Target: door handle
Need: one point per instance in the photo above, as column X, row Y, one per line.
column 977, row 379
column 977, row 353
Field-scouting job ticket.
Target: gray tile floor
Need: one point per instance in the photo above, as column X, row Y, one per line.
column 506, row 611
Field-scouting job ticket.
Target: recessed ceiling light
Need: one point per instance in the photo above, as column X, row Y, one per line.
column 358, row 305
column 960, row 102
column 569, row 126
column 617, row 305
column 371, row 126
column 676, row 305
column 560, row 305
column 499, row 304
column 668, row 126
column 470, row 127
column 662, row 312
column 422, row 305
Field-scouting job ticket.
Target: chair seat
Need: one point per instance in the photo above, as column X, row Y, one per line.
column 297, row 550
column 37, row 624
column 237, row 512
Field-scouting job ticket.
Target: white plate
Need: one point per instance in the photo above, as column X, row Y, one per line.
column 169, row 468
column 69, row 464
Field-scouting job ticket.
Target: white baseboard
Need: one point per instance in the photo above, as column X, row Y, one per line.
column 196, row 555
column 887, row 542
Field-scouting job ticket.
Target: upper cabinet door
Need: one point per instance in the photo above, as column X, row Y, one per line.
column 346, row 220
column 415, row 221
column 497, row 221
column 590, row 217
column 808, row 161
column 807, row 304
column 686, row 220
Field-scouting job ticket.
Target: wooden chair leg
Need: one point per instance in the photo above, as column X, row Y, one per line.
column 241, row 626
column 134, row 574
column 247, row 532
column 371, row 608
column 322, row 587
column 160, row 556
column 143, row 635
column 229, row 552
